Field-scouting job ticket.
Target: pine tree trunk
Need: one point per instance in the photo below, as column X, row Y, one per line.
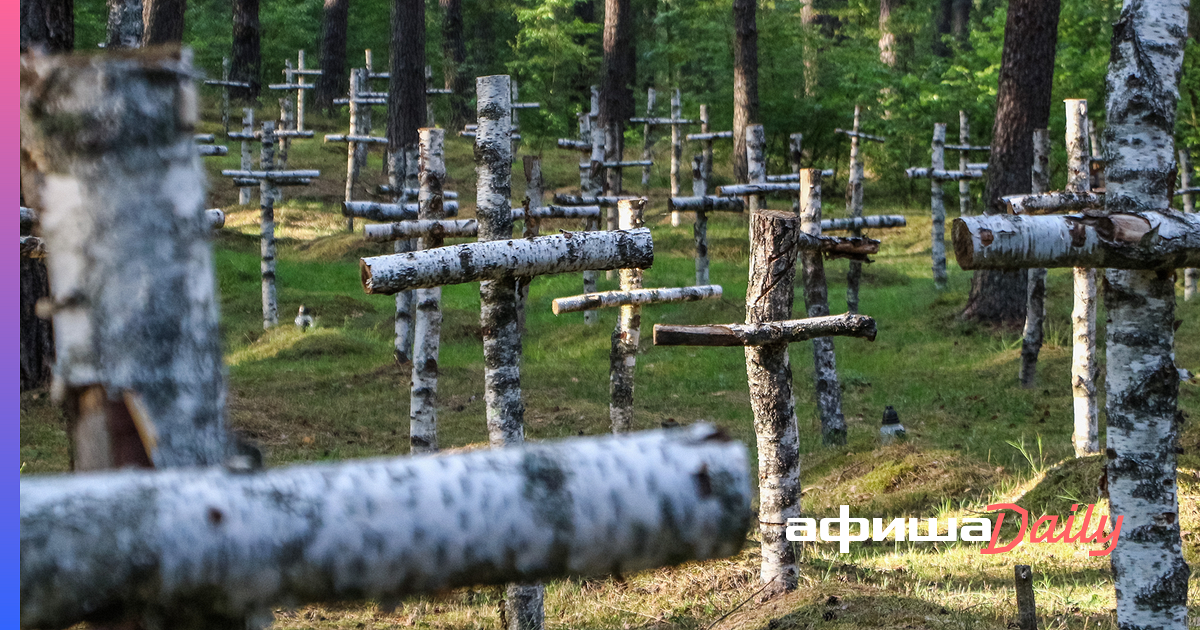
column 745, row 81
column 816, row 301
column 1142, row 386
column 163, row 21
column 616, row 94
column 406, row 83
column 454, row 56
column 1022, row 105
column 888, row 46
column 247, row 52
column 773, row 249
column 428, row 328
column 331, row 83
column 48, row 25
column 1035, row 300
column 124, row 24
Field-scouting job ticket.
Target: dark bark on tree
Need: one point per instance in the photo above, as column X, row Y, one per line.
column 616, row 92
column 581, row 92
column 124, row 24
column 454, row 56
column 331, row 83
column 1022, row 105
column 406, row 86
column 247, row 51
column 960, row 20
column 162, row 21
column 48, row 25
column 745, row 81
column 37, row 340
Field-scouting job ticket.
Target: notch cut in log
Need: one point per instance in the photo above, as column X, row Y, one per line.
column 612, row 299
column 1146, row 240
column 1054, row 202
column 247, row 543
column 390, row 211
column 788, row 331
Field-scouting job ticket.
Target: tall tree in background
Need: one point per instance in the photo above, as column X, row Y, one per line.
column 454, row 55
column 406, row 87
column 48, row 25
column 952, row 17
column 331, row 83
column 745, row 80
column 247, row 51
column 1022, row 105
column 889, row 43
column 124, row 24
column 585, row 11
column 616, row 93
column 162, row 21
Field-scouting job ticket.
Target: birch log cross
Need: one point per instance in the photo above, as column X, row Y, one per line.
column 224, row 83
column 854, row 201
column 1084, row 364
column 706, row 137
column 676, row 122
column 427, row 324
column 702, row 203
column 245, row 193
column 356, row 141
column 937, row 173
column 1140, row 241
column 775, row 240
column 626, row 335
column 269, row 179
column 294, row 82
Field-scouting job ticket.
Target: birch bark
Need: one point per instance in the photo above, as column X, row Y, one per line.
column 1035, row 296
column 964, row 186
column 1191, row 274
column 756, row 163
column 266, row 198
column 676, row 148
column 700, row 227
column 246, row 193
column 816, row 300
column 428, row 325
column 626, row 336
column 854, row 207
column 1084, row 365
column 938, row 205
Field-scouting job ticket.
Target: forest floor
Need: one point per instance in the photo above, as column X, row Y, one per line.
column 974, row 435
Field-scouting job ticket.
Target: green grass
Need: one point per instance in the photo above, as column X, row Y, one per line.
column 974, row 435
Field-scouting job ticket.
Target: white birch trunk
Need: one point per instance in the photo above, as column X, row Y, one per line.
column 964, row 187
column 1084, row 364
column 1035, row 292
column 773, row 249
column 854, row 208
column 244, row 544
column 138, row 361
column 796, row 151
column 612, row 299
column 627, row 334
column 366, row 125
column 756, row 164
column 351, row 147
column 300, row 92
column 246, row 193
column 816, row 300
column 938, row 206
column 1191, row 274
column 590, row 318
column 266, row 197
column 648, row 136
column 874, row 221
column 676, row 148
column 788, row 331
column 427, row 331
column 700, row 227
column 707, row 150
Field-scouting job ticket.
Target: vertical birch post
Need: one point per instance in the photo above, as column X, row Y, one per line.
column 648, row 137
column 285, row 124
column 246, row 193
column 428, row 324
column 266, row 198
column 593, row 186
column 532, row 165
column 938, row 206
column 1143, row 382
column 707, row 150
column 700, row 227
column 676, row 148
column 1035, row 298
column 796, row 152
column 225, row 65
column 364, row 115
column 1191, row 274
column 402, row 175
column 854, row 208
column 429, row 119
column 351, row 150
column 816, row 301
column 498, row 317
column 756, row 163
column 141, row 380
column 1097, row 172
column 964, row 186
column 773, row 249
column 300, row 92
column 627, row 334
column 1084, row 367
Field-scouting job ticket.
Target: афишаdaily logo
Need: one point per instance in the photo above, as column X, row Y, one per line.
column 1044, row 530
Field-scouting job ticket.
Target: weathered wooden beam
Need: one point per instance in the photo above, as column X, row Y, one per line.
column 789, row 331
column 244, row 544
column 1143, row 240
column 612, row 299
column 1054, row 202
column 558, row 253
column 376, row 211
column 707, row 203
column 861, row 223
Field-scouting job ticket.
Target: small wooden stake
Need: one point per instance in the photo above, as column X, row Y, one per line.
column 1026, row 608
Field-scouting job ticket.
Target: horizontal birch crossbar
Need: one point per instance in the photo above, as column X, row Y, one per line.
column 663, row 121
column 627, row 163
column 634, row 297
column 977, row 166
column 204, row 138
column 711, row 135
column 283, row 181
column 227, row 84
column 967, row 147
column 787, row 331
column 272, row 176
column 215, row 218
column 1145, row 240
column 462, row 228
column 257, row 135
column 577, row 145
column 491, row 260
column 868, row 222
column 1054, row 202
column 291, row 86
column 390, row 211
column 761, row 189
column 1187, row 191
column 210, row 150
column 707, row 203
column 341, row 137
column 922, row 172
column 471, row 134
column 559, row 212
column 859, row 134
column 795, row 177
column 587, row 200
column 360, row 101
column 384, row 189
column 239, row 545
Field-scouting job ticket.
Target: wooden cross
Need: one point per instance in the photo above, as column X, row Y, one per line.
column 854, row 201
column 268, row 180
column 676, row 121
column 706, row 137
column 357, row 141
column 284, row 135
column 225, row 84
column 937, row 173
column 625, row 338
column 294, row 82
column 702, row 204
column 775, row 240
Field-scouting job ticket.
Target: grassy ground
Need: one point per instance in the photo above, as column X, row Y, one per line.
column 974, row 435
